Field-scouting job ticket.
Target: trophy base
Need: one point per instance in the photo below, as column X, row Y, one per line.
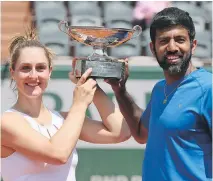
column 100, row 69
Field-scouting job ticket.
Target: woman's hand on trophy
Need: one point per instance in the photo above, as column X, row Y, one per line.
column 119, row 85
column 73, row 78
column 85, row 89
column 74, row 75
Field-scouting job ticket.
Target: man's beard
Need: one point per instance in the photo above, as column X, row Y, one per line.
column 175, row 69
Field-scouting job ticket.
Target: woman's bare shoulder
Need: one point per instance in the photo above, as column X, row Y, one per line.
column 8, row 116
column 11, row 121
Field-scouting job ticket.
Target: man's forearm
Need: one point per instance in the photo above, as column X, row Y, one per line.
column 130, row 111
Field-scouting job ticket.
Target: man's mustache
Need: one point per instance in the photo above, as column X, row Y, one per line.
column 173, row 54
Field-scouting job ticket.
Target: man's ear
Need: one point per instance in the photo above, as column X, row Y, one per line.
column 151, row 46
column 194, row 45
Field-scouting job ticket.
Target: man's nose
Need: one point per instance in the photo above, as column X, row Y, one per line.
column 172, row 47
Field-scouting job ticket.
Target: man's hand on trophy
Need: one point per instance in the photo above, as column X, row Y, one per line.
column 119, row 85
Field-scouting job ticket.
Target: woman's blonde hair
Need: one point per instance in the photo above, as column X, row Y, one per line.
column 30, row 39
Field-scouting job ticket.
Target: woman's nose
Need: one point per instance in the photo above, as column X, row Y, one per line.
column 33, row 73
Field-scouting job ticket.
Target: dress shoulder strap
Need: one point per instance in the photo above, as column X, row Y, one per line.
column 57, row 119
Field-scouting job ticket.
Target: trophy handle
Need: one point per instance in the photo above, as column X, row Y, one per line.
column 63, row 26
column 137, row 30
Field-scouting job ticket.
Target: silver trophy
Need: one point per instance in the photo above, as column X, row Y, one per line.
column 100, row 38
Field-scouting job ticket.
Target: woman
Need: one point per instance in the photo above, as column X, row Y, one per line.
column 39, row 144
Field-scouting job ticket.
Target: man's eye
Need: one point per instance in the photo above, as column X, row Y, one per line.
column 181, row 41
column 162, row 41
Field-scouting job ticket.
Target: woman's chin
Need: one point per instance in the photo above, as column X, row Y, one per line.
column 34, row 94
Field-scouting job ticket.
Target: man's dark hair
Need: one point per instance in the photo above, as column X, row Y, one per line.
column 172, row 16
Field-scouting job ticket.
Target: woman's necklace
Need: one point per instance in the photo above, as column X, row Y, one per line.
column 166, row 96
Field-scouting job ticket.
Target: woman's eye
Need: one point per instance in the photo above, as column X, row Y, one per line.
column 41, row 67
column 25, row 68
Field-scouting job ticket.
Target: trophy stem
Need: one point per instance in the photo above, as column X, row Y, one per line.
column 99, row 54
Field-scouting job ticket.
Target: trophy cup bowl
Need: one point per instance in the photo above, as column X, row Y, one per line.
column 103, row 66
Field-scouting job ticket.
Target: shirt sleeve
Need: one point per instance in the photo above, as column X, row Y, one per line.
column 146, row 115
column 206, row 107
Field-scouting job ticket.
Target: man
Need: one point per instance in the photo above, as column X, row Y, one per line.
column 177, row 123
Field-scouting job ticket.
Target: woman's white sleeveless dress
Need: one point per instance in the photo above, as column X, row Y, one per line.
column 18, row 167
